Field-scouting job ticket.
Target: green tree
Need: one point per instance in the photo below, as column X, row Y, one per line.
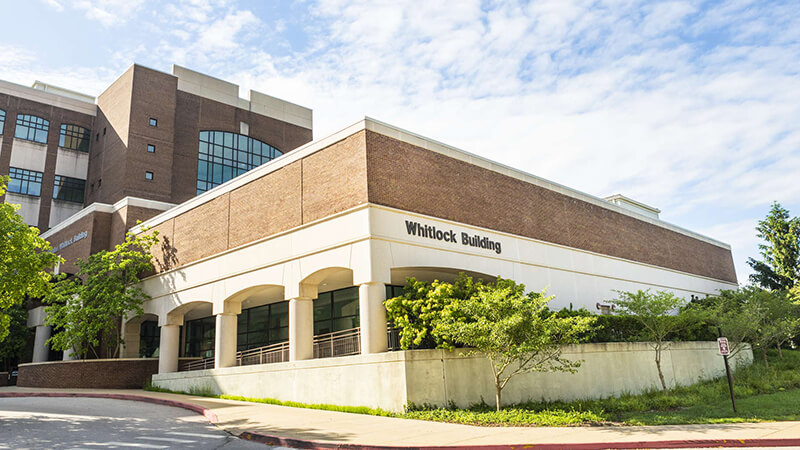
column 514, row 330
column 417, row 311
column 654, row 311
column 25, row 261
column 13, row 348
column 89, row 306
column 780, row 267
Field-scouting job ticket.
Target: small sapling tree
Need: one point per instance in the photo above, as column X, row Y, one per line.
column 513, row 329
column 654, row 311
column 87, row 308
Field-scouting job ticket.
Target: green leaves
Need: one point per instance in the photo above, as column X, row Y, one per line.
column 512, row 328
column 88, row 307
column 780, row 267
column 25, row 261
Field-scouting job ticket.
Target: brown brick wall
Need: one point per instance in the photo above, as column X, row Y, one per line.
column 97, row 225
column 95, row 374
column 407, row 177
column 329, row 181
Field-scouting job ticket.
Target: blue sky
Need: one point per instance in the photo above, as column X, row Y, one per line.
column 692, row 107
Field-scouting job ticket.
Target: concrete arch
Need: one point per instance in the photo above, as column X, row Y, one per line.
column 131, row 334
column 252, row 296
column 174, row 315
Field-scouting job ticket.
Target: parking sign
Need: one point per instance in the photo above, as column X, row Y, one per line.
column 724, row 349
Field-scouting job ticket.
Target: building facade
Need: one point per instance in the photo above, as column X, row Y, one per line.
column 84, row 170
column 277, row 249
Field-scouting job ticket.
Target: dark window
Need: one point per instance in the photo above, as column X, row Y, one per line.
column 2, row 120
column 263, row 325
column 32, row 128
column 200, row 337
column 23, row 181
column 151, row 148
column 69, row 189
column 74, row 137
column 149, row 338
column 148, row 175
column 99, row 182
column 336, row 311
column 153, row 122
column 104, row 131
column 223, row 156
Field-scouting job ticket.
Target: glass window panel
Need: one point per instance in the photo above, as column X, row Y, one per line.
column 345, row 302
column 23, row 181
column 74, row 137
column 279, row 315
column 31, row 128
column 322, row 306
column 202, row 170
column 241, row 322
column 322, row 327
column 235, row 154
column 278, row 335
column 258, row 318
column 2, row 120
column 68, row 189
column 345, row 323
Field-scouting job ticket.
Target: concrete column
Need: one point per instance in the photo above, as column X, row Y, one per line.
column 301, row 328
column 131, row 337
column 225, row 340
column 372, row 315
column 41, row 352
column 69, row 355
column 168, row 348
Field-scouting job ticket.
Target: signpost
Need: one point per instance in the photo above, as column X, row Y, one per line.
column 725, row 350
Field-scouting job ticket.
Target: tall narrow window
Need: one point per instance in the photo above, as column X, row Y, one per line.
column 69, row 189
column 151, row 148
column 224, row 155
column 32, row 128
column 2, row 120
column 74, row 137
column 148, row 175
column 336, row 311
column 153, row 122
column 23, row 181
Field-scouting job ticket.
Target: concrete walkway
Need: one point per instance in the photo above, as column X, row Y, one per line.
column 309, row 428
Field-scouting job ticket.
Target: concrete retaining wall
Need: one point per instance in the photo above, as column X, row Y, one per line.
column 130, row 373
column 393, row 380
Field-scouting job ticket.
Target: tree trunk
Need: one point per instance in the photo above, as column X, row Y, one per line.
column 660, row 373
column 780, row 352
column 498, row 396
column 764, row 355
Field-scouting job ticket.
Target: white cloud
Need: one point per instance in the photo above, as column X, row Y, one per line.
column 109, row 12
column 54, row 4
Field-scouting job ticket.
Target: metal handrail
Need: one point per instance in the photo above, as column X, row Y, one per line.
column 200, row 364
column 338, row 343
column 264, row 355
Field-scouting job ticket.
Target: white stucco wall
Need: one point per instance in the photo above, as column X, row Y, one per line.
column 392, row 380
column 61, row 210
column 29, row 206
column 72, row 163
column 28, row 155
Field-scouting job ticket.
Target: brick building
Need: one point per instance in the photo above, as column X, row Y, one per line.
column 85, row 170
column 285, row 254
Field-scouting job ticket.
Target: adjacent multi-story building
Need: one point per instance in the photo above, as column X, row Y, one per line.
column 84, row 169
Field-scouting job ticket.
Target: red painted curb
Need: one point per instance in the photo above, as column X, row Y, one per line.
column 207, row 413
column 278, row 441
column 311, row 445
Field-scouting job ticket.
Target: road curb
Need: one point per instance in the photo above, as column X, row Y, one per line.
column 311, row 445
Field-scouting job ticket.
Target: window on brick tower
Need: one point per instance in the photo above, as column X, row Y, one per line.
column 224, row 155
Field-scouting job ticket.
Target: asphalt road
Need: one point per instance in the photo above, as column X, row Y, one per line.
column 93, row 423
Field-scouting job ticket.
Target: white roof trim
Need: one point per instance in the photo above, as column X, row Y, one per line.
column 419, row 141
column 48, row 98
column 107, row 209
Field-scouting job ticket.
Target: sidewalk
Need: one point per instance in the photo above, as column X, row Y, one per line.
column 309, row 428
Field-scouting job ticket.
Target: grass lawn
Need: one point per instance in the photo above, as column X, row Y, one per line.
column 762, row 394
